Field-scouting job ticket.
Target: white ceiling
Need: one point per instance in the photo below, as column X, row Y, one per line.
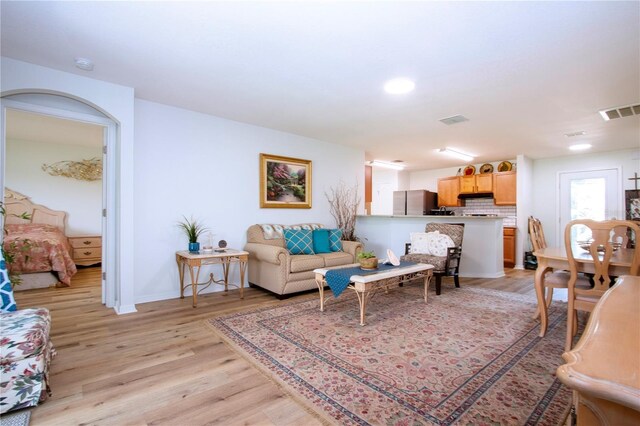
column 524, row 73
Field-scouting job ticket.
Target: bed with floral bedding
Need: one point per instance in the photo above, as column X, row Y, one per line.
column 39, row 248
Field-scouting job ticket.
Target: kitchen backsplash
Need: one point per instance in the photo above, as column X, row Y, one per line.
column 486, row 206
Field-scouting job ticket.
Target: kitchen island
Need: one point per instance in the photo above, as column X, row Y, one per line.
column 482, row 245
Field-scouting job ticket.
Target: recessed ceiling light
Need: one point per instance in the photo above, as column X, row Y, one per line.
column 580, row 147
column 84, row 64
column 399, row 86
column 456, row 154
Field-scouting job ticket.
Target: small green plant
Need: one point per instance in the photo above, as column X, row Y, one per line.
column 366, row 255
column 14, row 248
column 192, row 228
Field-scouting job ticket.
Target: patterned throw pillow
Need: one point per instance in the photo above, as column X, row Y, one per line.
column 299, row 241
column 335, row 237
column 6, row 290
column 439, row 244
column 420, row 242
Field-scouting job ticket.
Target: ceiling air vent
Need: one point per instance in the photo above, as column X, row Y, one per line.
column 454, row 120
column 619, row 112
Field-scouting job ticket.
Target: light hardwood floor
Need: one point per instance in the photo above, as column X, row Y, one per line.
column 163, row 365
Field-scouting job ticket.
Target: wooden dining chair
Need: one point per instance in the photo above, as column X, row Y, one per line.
column 552, row 279
column 600, row 249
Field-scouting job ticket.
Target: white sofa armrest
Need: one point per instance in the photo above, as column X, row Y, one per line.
column 267, row 253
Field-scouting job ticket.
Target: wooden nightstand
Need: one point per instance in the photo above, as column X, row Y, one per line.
column 87, row 250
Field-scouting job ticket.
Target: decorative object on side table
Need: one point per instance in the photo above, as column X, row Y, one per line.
column 392, row 258
column 285, row 182
column 193, row 229
column 368, row 260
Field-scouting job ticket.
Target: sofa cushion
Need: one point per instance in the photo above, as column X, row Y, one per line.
column 438, row 262
column 299, row 241
column 321, row 241
column 336, row 258
column 335, row 237
column 8, row 302
column 303, row 263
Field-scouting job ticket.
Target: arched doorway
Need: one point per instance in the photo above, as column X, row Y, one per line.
column 57, row 105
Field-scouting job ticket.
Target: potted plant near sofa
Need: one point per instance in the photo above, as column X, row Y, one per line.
column 368, row 260
column 193, row 229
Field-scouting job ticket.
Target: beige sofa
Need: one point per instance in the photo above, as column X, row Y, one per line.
column 273, row 268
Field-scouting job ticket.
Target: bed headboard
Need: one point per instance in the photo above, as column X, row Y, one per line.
column 16, row 204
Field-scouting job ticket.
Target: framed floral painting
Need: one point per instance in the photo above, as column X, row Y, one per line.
column 285, row 182
column 632, row 201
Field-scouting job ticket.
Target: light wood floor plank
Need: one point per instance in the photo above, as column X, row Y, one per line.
column 163, row 365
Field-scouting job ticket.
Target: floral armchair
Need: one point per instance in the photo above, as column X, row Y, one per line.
column 25, row 351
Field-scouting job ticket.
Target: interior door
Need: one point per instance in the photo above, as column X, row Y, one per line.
column 594, row 194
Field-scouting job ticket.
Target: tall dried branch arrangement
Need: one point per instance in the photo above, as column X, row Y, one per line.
column 343, row 205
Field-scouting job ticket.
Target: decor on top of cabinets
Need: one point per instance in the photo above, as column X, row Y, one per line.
column 88, row 170
column 486, row 168
column 469, row 170
column 285, row 182
column 505, row 166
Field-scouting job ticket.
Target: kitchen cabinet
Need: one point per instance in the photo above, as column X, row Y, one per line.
column 448, row 191
column 509, row 246
column 476, row 184
column 504, row 188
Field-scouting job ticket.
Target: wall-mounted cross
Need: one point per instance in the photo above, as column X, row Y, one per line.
column 636, row 178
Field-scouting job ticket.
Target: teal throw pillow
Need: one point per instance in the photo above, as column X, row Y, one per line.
column 321, row 241
column 335, row 237
column 299, row 241
column 6, row 289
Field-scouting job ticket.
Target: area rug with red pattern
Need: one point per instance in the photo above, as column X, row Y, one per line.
column 470, row 356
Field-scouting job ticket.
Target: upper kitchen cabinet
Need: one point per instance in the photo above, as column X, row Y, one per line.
column 504, row 188
column 474, row 184
column 448, row 191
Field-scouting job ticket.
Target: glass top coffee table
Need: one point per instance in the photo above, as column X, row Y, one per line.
column 366, row 286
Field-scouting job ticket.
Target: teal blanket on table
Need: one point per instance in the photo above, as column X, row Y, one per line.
column 338, row 279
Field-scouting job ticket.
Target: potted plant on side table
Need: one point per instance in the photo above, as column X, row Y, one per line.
column 368, row 260
column 192, row 228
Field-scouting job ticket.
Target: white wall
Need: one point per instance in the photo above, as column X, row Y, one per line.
column 189, row 163
column 115, row 101
column 82, row 200
column 383, row 183
column 545, row 181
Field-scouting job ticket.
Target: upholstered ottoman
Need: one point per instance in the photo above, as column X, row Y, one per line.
column 25, row 355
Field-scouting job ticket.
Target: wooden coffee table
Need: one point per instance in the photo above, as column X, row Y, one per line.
column 366, row 286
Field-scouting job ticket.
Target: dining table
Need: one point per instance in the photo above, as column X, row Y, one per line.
column 550, row 258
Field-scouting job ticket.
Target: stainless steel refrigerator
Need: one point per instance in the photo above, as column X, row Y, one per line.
column 416, row 202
